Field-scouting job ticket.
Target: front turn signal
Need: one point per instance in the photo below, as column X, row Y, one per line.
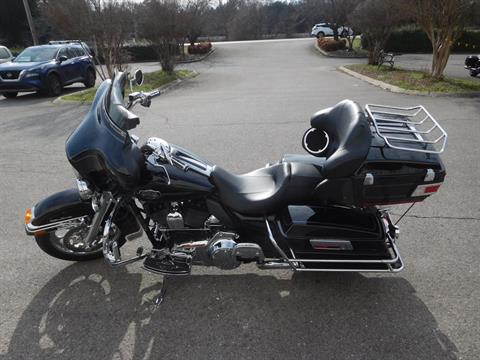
column 28, row 216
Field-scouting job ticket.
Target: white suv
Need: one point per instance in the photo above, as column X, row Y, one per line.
column 324, row 29
column 5, row 54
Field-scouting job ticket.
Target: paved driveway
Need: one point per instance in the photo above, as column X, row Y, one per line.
column 250, row 104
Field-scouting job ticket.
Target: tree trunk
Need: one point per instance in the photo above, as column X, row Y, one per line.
column 441, row 54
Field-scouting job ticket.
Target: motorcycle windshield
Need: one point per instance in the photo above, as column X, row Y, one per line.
column 99, row 148
column 115, row 101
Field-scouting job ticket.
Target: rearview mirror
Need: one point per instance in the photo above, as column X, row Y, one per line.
column 62, row 58
column 138, row 77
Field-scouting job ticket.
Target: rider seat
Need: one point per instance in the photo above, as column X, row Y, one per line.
column 293, row 181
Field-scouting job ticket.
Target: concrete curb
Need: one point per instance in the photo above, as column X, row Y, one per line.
column 399, row 90
column 162, row 88
column 199, row 59
column 325, row 53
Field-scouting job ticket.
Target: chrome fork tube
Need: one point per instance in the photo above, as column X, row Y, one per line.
column 105, row 202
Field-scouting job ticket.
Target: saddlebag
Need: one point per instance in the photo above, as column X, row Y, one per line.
column 333, row 237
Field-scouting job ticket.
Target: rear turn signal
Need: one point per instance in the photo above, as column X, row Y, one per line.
column 426, row 189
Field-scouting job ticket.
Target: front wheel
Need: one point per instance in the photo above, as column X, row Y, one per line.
column 54, row 85
column 90, row 79
column 69, row 244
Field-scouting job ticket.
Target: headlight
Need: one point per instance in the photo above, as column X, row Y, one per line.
column 30, row 74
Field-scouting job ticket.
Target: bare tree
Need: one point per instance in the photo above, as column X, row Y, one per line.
column 226, row 12
column 160, row 23
column 194, row 18
column 107, row 23
column 443, row 22
column 247, row 23
column 376, row 19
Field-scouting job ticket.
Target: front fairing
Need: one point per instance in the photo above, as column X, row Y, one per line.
column 101, row 152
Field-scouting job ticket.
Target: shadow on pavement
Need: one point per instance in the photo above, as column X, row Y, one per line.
column 88, row 311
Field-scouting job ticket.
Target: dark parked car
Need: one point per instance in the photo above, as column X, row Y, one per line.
column 47, row 69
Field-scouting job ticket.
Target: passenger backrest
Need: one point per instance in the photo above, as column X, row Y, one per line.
column 347, row 141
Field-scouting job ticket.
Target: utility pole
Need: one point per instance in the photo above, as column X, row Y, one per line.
column 30, row 22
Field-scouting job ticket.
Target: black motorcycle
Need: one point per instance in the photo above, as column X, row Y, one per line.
column 472, row 64
column 322, row 211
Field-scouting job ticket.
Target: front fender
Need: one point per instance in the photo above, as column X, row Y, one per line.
column 57, row 208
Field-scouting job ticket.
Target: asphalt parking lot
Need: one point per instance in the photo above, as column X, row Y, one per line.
column 250, row 104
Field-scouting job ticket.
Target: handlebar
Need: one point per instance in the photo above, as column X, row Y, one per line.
column 144, row 98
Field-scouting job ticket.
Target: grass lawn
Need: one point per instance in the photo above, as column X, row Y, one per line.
column 416, row 80
column 151, row 81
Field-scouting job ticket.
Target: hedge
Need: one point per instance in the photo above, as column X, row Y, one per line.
column 414, row 40
column 138, row 53
column 329, row 44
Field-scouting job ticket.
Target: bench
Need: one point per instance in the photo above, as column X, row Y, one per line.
column 386, row 58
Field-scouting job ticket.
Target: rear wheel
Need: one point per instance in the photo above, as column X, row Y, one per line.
column 10, row 95
column 54, row 85
column 89, row 79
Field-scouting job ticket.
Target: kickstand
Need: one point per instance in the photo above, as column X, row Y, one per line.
column 161, row 296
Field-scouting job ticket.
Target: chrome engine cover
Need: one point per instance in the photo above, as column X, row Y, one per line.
column 221, row 251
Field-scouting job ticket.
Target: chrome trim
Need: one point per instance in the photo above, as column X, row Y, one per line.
column 278, row 248
column 105, row 201
column 152, row 160
column 369, row 179
column 318, row 151
column 31, row 229
column 389, row 120
column 84, row 190
column 430, row 175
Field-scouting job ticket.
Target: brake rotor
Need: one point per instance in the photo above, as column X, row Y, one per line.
column 74, row 240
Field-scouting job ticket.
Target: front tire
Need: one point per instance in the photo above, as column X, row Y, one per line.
column 321, row 34
column 54, row 244
column 54, row 85
column 10, row 95
column 90, row 79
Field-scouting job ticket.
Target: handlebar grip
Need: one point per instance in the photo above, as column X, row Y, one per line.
column 154, row 93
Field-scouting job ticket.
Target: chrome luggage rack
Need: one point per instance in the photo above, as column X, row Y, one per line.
column 410, row 129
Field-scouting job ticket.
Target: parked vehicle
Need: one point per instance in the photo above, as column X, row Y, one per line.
column 325, row 29
column 308, row 212
column 5, row 55
column 47, row 69
column 472, row 64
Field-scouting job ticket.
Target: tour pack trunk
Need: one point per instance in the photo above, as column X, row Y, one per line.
column 402, row 166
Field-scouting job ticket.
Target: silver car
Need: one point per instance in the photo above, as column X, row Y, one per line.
column 5, row 54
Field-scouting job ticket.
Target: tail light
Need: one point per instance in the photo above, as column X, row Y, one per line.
column 426, row 189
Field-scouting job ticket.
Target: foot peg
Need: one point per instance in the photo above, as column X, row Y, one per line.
column 160, row 262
